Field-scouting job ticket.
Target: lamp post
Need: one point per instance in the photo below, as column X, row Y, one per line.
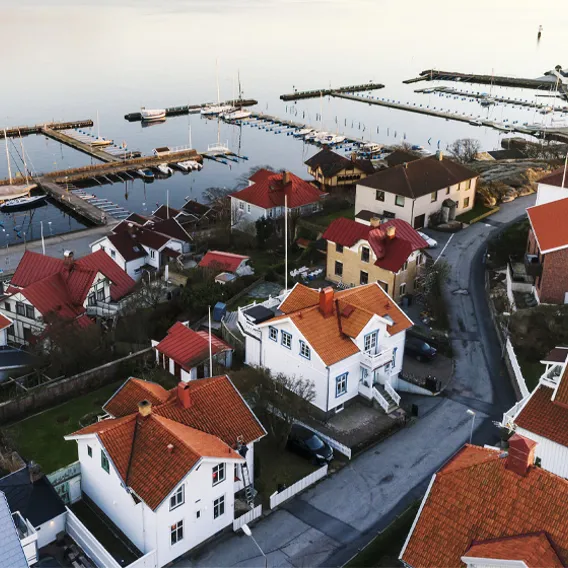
column 472, row 414
column 564, row 174
column 248, row 532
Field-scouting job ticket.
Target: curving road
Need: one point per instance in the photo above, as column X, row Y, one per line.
column 327, row 524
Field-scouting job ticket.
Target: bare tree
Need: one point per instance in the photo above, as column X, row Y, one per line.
column 148, row 293
column 465, row 150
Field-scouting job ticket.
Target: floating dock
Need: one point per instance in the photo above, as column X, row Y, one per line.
column 189, row 109
column 18, row 131
column 297, row 95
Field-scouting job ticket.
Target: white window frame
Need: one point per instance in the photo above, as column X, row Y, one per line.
column 341, row 385
column 176, row 533
column 402, row 289
column 242, row 205
column 219, row 470
column 399, row 201
column 105, row 464
column 305, row 350
column 219, row 507
column 248, row 208
column 273, row 334
column 178, row 498
column 286, row 339
column 370, row 346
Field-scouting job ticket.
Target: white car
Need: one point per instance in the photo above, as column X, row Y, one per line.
column 431, row 242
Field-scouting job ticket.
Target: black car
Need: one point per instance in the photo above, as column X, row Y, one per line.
column 419, row 349
column 308, row 444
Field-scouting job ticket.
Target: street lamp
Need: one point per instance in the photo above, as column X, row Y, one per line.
column 472, row 414
column 248, row 532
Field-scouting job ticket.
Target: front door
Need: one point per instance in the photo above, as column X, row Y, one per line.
column 419, row 221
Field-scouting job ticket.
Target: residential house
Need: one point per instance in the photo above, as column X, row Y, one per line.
column 349, row 343
column 185, row 352
column 542, row 416
column 487, row 508
column 5, row 326
column 44, row 288
column 552, row 187
column 166, row 465
column 12, row 540
column 547, row 251
column 399, row 157
column 388, row 253
column 267, row 194
column 332, row 170
column 226, row 261
column 413, row 191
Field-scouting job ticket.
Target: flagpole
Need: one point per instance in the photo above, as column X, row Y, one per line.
column 286, row 242
column 210, row 347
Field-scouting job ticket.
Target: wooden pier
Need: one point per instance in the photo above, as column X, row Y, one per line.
column 189, row 109
column 297, row 95
column 17, row 131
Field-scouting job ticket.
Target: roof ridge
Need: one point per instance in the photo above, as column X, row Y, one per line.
column 448, row 468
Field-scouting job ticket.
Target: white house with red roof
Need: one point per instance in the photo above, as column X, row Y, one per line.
column 552, row 187
column 168, row 467
column 349, row 343
column 185, row 353
column 542, row 416
column 227, row 261
column 5, row 325
column 68, row 289
column 266, row 194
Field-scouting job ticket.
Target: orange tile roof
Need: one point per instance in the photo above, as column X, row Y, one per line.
column 561, row 396
column 331, row 336
column 535, row 550
column 125, row 400
column 476, row 499
column 549, row 225
column 138, row 447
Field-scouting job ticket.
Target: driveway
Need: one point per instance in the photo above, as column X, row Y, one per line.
column 327, row 525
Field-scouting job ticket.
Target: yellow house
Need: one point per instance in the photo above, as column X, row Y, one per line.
column 388, row 253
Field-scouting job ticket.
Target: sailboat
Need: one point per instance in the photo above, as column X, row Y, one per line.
column 218, row 109
column 217, row 148
column 14, row 190
column 239, row 113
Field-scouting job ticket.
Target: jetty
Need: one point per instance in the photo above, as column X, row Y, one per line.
column 17, row 131
column 190, row 109
column 297, row 95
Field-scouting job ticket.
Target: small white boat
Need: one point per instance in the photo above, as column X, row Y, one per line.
column 98, row 142
column 486, row 100
column 327, row 138
column 23, row 202
column 303, row 132
column 371, row 148
column 164, row 169
column 150, row 115
column 546, row 110
column 189, row 165
column 145, row 174
column 217, row 110
column 238, row 114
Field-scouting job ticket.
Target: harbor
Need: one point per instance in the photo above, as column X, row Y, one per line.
column 314, row 93
column 193, row 109
column 18, row 131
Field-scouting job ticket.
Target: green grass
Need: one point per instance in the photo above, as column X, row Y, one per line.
column 40, row 437
column 383, row 550
column 477, row 212
column 532, row 370
column 326, row 219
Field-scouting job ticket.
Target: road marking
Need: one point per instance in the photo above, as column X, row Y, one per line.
column 445, row 247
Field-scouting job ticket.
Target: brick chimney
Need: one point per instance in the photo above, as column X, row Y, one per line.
column 391, row 232
column 521, row 454
column 440, row 155
column 285, row 177
column 326, row 301
column 375, row 222
column 145, row 408
column 184, row 395
column 68, row 258
column 34, row 471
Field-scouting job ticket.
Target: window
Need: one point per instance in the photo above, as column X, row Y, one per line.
column 241, row 205
column 419, row 259
column 248, row 207
column 364, row 374
column 384, row 286
column 466, row 202
column 402, row 289
column 399, row 200
column 538, row 462
column 338, row 248
column 219, row 507
column 363, row 277
column 365, row 254
column 218, row 473
column 101, row 294
column 178, row 498
column 104, row 462
column 197, row 514
column 11, row 331
column 305, row 350
column 404, row 267
column 371, row 342
column 273, row 333
column 112, row 253
column 152, row 253
column 341, row 385
column 447, row 191
column 176, row 532
column 20, row 310
column 393, row 360
column 287, row 339
column 468, row 184
column 434, row 196
column 92, row 300
column 90, row 451
column 30, row 312
column 338, row 268
column 7, row 306
column 380, row 195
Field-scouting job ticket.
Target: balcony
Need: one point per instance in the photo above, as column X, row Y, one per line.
column 378, row 359
column 28, row 537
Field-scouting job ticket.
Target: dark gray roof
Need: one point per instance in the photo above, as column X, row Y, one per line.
column 11, row 551
column 400, row 157
column 259, row 314
column 557, row 355
column 38, row 502
column 331, row 163
column 511, row 154
column 367, row 215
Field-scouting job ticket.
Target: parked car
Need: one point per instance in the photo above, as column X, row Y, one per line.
column 419, row 349
column 309, row 445
column 432, row 243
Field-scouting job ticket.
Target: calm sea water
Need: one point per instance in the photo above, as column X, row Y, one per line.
column 75, row 59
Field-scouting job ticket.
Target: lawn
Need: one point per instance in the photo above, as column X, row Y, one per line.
column 326, row 219
column 40, row 437
column 532, row 370
column 477, row 211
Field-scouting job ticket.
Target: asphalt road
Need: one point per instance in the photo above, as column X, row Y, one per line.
column 328, row 524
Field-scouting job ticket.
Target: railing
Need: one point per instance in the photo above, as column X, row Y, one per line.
column 380, row 399
column 27, row 535
column 278, row 498
column 248, row 517
column 149, row 560
column 379, row 359
column 516, row 369
column 392, row 393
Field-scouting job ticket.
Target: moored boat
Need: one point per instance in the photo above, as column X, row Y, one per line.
column 23, row 202
column 150, row 115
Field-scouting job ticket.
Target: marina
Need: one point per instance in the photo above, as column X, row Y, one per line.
column 17, row 131
column 314, row 93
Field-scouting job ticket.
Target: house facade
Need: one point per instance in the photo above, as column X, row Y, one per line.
column 547, row 251
column 349, row 343
column 267, row 195
column 413, row 191
column 166, row 466
column 331, row 170
column 389, row 253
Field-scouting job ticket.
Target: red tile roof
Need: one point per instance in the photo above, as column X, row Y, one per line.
column 5, row 322
column 125, row 400
column 188, row 347
column 535, row 550
column 475, row 499
column 222, row 260
column 391, row 253
column 548, row 222
column 268, row 191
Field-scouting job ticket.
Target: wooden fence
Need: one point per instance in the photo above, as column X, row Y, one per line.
column 278, row 498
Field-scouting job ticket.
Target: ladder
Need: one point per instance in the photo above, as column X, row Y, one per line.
column 248, row 486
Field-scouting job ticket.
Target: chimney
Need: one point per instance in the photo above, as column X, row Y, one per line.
column 440, row 155
column 145, row 408
column 68, row 258
column 184, row 395
column 391, row 232
column 326, row 301
column 285, row 177
column 521, row 454
column 375, row 222
column 35, row 472
column 405, row 165
column 170, row 448
column 130, row 228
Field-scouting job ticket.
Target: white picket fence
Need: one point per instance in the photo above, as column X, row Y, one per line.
column 278, row 498
column 248, row 517
column 341, row 448
column 516, row 369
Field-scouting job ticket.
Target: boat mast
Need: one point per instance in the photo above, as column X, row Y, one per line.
column 240, row 89
column 24, row 159
column 8, row 157
column 217, row 75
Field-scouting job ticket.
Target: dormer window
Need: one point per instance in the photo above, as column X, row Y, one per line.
column 178, row 498
column 365, row 254
column 370, row 342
